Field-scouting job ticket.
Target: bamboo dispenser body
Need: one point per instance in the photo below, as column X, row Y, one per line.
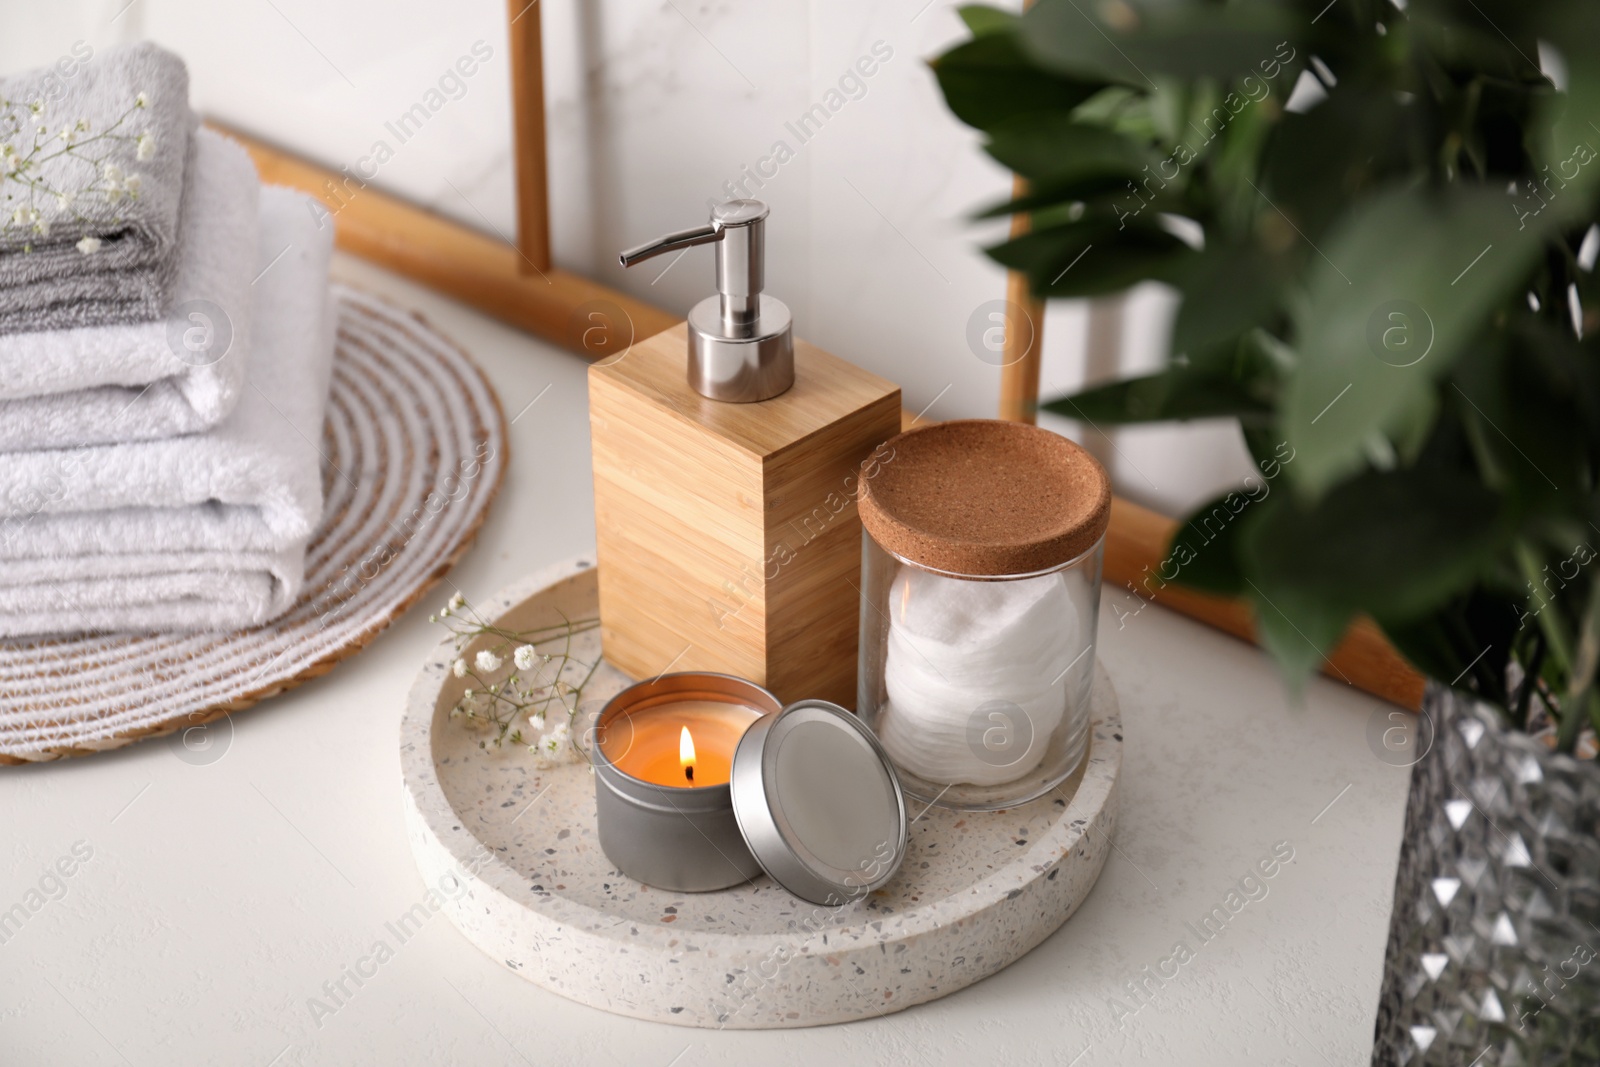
column 727, row 534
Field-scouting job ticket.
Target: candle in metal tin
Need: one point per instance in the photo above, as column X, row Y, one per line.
column 663, row 752
column 681, row 742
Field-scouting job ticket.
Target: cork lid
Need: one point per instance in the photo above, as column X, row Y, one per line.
column 979, row 496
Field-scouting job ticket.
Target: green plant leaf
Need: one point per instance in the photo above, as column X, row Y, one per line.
column 1393, row 544
column 1205, row 548
column 1468, row 641
column 983, row 20
column 989, row 80
column 1396, row 545
column 1057, row 152
column 1298, row 631
column 1232, row 380
column 1036, row 199
column 1575, row 115
column 1564, row 369
column 1227, row 289
column 1342, row 148
column 1534, row 392
column 1402, row 285
column 1174, row 394
column 1474, row 42
column 1122, row 41
column 1387, row 322
column 1092, row 256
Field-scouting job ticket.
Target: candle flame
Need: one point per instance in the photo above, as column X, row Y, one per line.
column 686, row 749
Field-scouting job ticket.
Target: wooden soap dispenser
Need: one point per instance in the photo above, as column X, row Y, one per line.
column 727, row 460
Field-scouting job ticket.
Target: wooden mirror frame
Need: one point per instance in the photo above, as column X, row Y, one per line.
column 516, row 282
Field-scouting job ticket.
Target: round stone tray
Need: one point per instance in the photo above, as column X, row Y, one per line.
column 513, row 854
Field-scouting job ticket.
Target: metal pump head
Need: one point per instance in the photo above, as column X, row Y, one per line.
column 741, row 341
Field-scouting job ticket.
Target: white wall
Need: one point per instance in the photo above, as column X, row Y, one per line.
column 653, row 105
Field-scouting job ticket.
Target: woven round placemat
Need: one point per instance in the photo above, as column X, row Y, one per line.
column 414, row 450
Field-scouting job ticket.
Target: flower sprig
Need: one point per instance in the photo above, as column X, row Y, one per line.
column 32, row 203
column 535, row 701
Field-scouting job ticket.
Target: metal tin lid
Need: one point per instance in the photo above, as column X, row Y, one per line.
column 819, row 803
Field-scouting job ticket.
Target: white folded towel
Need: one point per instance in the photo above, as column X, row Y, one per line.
column 191, row 591
column 135, row 381
column 205, row 531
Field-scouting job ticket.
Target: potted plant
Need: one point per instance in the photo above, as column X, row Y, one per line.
column 1389, row 281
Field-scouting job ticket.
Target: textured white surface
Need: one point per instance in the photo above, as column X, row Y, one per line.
column 220, row 898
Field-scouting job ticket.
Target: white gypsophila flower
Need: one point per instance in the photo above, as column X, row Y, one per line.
column 487, row 661
column 457, row 601
column 536, row 721
column 131, row 185
column 459, row 668
column 41, row 226
column 69, row 134
column 89, row 245
column 112, row 173
column 64, row 201
column 523, row 657
column 142, row 100
column 146, row 147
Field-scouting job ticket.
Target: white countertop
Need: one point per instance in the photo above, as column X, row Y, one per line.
column 219, row 899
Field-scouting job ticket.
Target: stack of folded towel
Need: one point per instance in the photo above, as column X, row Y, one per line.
column 166, row 340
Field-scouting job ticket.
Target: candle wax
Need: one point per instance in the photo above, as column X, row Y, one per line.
column 644, row 742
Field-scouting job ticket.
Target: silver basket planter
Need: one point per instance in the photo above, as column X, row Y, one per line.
column 1494, row 944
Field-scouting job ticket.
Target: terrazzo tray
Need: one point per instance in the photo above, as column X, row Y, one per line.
column 513, row 855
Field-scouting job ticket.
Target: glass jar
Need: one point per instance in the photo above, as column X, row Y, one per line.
column 981, row 554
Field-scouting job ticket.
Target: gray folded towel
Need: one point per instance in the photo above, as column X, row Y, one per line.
column 134, row 381
column 90, row 185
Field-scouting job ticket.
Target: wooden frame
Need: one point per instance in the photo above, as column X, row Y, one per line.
column 528, row 137
column 519, row 285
